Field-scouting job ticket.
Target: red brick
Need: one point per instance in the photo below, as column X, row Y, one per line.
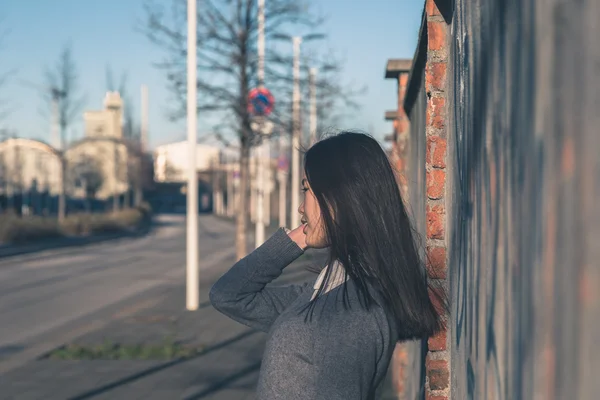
column 436, row 35
column 437, row 342
column 436, row 179
column 401, row 125
column 431, row 8
column 436, row 151
column 438, row 374
column 400, row 164
column 436, row 112
column 435, row 76
column 436, row 266
column 403, row 80
column 435, row 222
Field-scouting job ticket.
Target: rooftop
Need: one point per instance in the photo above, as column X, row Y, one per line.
column 391, row 115
column 396, row 66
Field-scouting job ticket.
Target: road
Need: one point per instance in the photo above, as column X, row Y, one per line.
column 49, row 297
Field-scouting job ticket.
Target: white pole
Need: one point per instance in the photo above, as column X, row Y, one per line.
column 55, row 123
column 139, row 192
column 261, row 149
column 252, row 184
column 282, row 186
column 144, row 121
column 230, row 195
column 268, row 181
column 295, row 217
column 192, row 284
column 260, row 186
column 261, row 42
column 313, row 106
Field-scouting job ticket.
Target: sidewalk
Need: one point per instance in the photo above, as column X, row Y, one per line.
column 225, row 369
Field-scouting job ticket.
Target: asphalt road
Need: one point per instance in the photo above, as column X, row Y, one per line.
column 51, row 296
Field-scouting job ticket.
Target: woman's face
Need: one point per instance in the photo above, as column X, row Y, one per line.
column 314, row 229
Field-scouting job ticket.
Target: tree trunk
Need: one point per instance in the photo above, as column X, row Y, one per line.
column 62, row 203
column 139, row 182
column 126, row 199
column 241, row 241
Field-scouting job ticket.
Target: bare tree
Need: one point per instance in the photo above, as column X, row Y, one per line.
column 63, row 79
column 5, row 75
column 227, row 64
column 62, row 84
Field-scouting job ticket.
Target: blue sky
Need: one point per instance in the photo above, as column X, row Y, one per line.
column 365, row 33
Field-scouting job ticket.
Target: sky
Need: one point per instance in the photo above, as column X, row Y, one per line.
column 103, row 33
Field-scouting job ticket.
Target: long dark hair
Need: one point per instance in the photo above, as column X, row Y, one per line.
column 369, row 231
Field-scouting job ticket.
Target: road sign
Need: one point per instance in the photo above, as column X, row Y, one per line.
column 261, row 126
column 260, row 102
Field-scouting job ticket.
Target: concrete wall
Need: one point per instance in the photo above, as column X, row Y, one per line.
column 512, row 174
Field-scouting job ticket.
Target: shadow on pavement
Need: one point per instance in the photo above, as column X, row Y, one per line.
column 149, row 371
column 224, row 383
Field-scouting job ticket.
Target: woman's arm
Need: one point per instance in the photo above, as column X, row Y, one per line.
column 241, row 293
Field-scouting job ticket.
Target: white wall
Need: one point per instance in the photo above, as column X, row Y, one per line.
column 171, row 161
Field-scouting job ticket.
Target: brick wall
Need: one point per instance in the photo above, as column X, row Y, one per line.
column 437, row 365
column 398, row 69
column 503, row 101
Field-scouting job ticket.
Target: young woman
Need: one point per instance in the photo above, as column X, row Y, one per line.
column 333, row 339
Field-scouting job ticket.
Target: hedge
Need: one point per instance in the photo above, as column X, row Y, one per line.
column 18, row 230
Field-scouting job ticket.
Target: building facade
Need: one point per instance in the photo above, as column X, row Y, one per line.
column 101, row 165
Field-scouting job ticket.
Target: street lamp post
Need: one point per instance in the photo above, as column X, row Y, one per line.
column 295, row 217
column 282, row 183
column 295, row 145
column 313, row 106
column 263, row 149
column 192, row 284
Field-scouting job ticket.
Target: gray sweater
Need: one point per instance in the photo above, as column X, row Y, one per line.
column 341, row 353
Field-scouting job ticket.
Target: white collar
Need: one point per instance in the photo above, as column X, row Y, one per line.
column 337, row 277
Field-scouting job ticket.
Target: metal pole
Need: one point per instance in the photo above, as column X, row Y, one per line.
column 261, row 149
column 252, row 184
column 192, row 284
column 313, row 106
column 261, row 42
column 268, row 177
column 139, row 187
column 230, row 198
column 295, row 217
column 55, row 123
column 282, row 186
column 260, row 186
column 144, row 119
